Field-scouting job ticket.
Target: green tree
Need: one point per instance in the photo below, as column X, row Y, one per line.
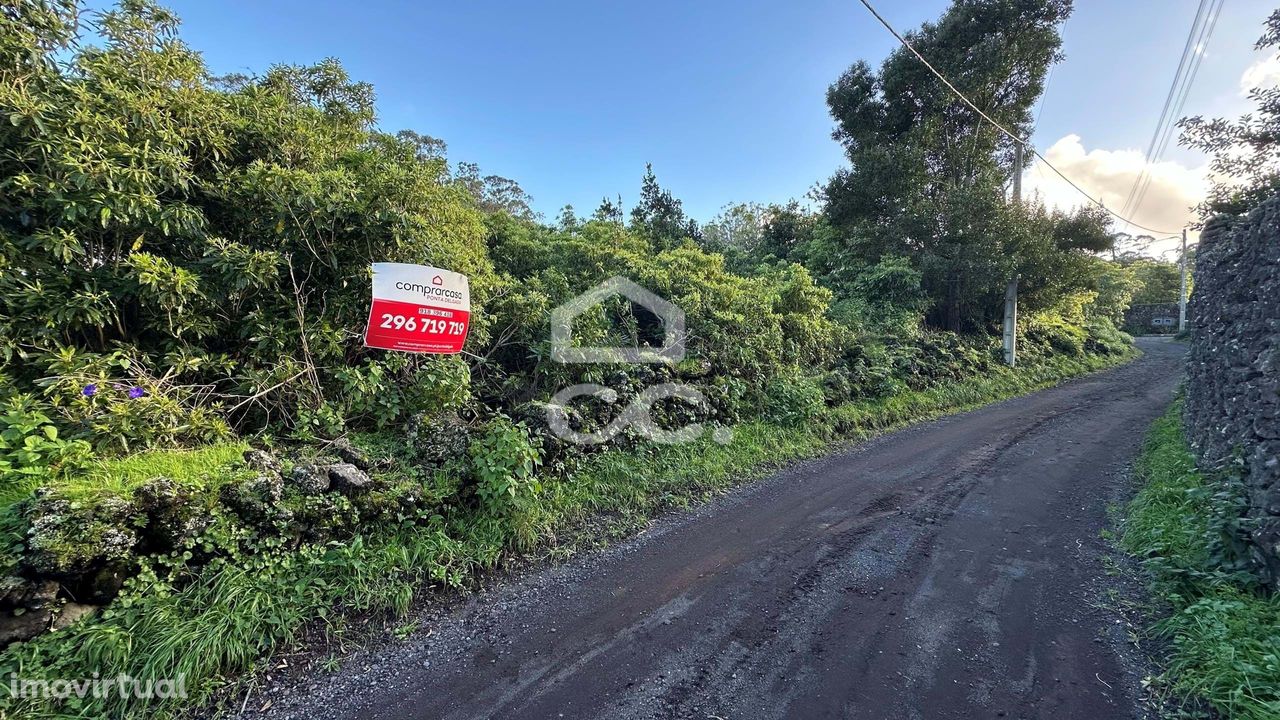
column 208, row 239
column 429, row 148
column 609, row 211
column 785, row 228
column 1246, row 152
column 494, row 193
column 660, row 216
column 927, row 174
column 567, row 221
column 1115, row 286
column 1158, row 281
column 738, row 226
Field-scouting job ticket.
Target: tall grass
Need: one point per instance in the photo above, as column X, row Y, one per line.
column 235, row 613
column 1224, row 638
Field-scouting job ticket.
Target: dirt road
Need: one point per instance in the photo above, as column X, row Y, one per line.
column 950, row 570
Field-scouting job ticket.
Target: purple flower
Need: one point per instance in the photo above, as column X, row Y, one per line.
column 136, row 392
column 90, row 390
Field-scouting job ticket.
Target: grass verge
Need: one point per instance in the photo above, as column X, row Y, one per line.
column 230, row 617
column 1224, row 637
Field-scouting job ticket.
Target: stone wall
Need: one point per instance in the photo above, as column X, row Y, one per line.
column 1233, row 375
column 1156, row 319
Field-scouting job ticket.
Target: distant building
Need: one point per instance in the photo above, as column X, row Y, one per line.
column 1154, row 319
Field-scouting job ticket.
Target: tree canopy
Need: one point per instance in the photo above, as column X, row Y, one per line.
column 212, row 236
column 660, row 216
column 928, row 176
column 1245, row 152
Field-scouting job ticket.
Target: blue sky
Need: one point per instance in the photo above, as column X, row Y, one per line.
column 725, row 98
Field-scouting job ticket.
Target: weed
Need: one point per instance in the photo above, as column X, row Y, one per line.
column 405, row 629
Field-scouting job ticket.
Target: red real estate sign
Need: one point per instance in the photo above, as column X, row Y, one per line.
column 417, row 308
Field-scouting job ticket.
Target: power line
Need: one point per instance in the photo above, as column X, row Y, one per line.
column 1202, row 43
column 1000, row 127
column 1044, row 92
column 1156, row 134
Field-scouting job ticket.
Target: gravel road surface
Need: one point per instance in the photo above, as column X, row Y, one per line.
column 950, row 570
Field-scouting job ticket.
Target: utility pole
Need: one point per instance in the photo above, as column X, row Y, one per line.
column 1182, row 294
column 1017, row 173
column 1011, row 323
column 1011, row 290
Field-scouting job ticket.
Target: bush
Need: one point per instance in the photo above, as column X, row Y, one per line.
column 837, row 388
column 115, row 402
column 932, row 357
column 793, row 400
column 31, row 450
column 503, row 459
column 871, row 370
column 1048, row 333
column 1103, row 337
column 742, row 331
column 207, row 242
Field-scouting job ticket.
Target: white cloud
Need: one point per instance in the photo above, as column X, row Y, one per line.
column 1263, row 73
column 1108, row 175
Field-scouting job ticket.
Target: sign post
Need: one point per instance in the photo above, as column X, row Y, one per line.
column 417, row 308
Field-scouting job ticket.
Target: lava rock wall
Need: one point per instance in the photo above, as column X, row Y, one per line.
column 1233, row 374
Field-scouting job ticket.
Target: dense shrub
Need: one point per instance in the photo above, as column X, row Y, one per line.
column 1104, row 338
column 742, row 331
column 207, row 241
column 793, row 400
column 1048, row 334
column 31, row 450
column 933, row 357
column 871, row 369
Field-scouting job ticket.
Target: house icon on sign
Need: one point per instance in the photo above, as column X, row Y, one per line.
column 672, row 317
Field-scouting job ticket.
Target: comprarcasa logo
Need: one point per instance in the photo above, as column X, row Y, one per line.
column 429, row 290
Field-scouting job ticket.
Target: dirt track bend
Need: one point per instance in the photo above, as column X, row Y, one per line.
column 950, row 570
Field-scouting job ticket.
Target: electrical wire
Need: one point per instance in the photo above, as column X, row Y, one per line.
column 1044, row 92
column 1202, row 44
column 1000, row 127
column 1187, row 49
